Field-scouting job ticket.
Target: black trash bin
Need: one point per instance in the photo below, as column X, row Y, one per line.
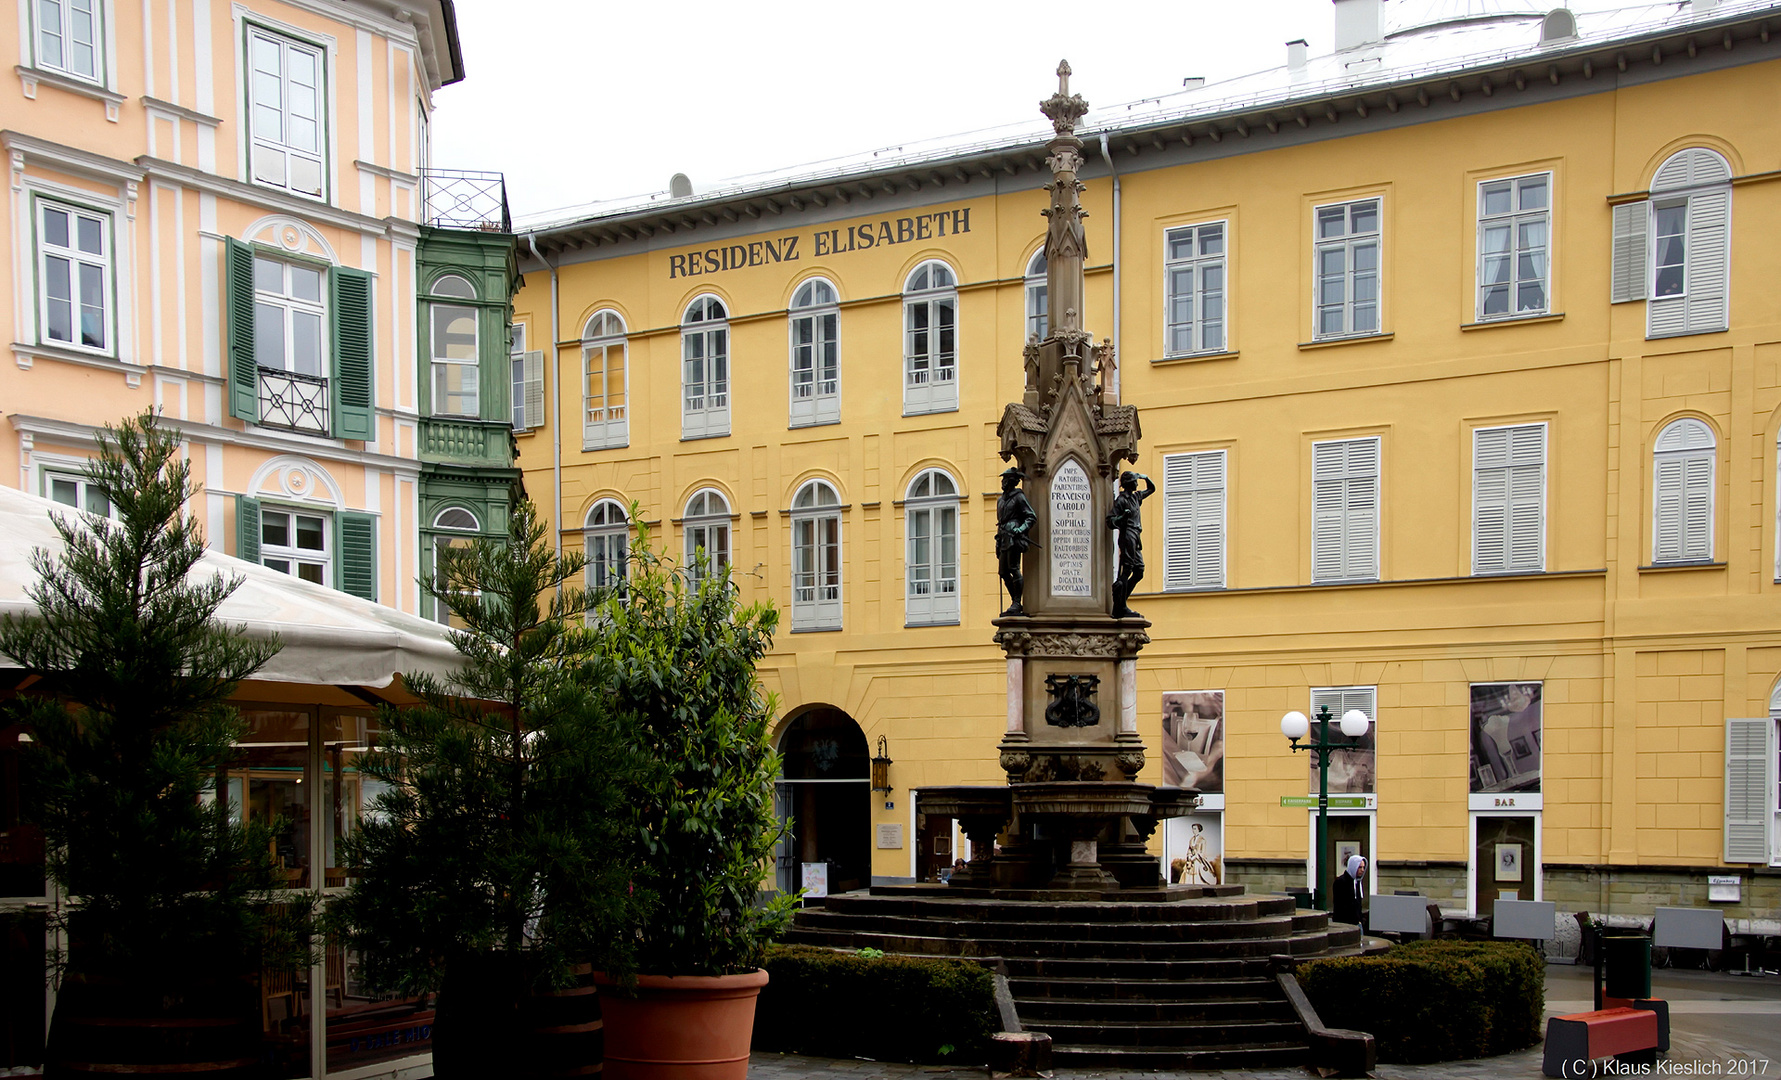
column 1626, row 965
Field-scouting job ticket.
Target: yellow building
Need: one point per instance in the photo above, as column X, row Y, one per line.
column 1455, row 353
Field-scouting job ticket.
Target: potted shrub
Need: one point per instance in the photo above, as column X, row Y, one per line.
column 489, row 869
column 171, row 907
column 676, row 653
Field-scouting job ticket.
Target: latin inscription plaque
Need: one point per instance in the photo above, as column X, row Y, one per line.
column 1071, row 540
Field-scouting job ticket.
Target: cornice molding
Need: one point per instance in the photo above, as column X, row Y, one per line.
column 254, row 195
column 196, row 431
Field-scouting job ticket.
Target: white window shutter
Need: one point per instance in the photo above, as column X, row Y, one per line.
column 1709, row 226
column 1667, row 509
column 1345, row 510
column 1632, row 247
column 1363, row 509
column 1527, row 498
column 1193, row 520
column 1697, row 508
column 1490, row 500
column 532, row 380
column 1749, row 809
column 1328, row 507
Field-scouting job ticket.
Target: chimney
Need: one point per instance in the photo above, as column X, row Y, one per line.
column 1295, row 55
column 1702, row 7
column 679, row 186
column 1357, row 23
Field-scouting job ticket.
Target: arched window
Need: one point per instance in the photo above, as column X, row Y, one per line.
column 705, row 369
column 1038, row 297
column 1682, row 493
column 1674, row 249
column 453, row 526
column 816, row 558
column 457, row 351
column 707, row 527
column 930, row 340
column 931, row 518
column 454, row 285
column 605, row 387
column 606, row 536
column 816, row 355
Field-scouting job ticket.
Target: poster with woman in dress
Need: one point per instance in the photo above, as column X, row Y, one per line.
column 1505, row 737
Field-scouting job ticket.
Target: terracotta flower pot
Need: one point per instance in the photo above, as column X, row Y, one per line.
column 680, row 1027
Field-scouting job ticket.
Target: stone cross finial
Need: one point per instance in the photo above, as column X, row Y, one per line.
column 1063, row 78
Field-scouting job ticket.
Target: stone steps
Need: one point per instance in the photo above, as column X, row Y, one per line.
column 1013, row 948
column 1273, row 926
column 1039, row 1013
column 1156, row 990
column 1170, row 1035
column 1281, row 1054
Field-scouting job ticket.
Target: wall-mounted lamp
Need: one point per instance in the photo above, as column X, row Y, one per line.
column 881, row 763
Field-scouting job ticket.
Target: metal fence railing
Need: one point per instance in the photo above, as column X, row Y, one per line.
column 460, row 199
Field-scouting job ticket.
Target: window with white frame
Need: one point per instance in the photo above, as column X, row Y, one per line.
column 1514, row 240
column 705, row 369
column 74, row 277
column 457, row 367
column 1347, row 269
column 816, row 557
column 449, row 521
column 606, row 538
column 930, row 340
column 1345, row 510
column 528, row 380
column 707, row 529
column 74, row 489
column 285, row 88
column 815, row 355
column 1509, row 499
column 295, row 543
column 1193, row 520
column 1194, row 281
column 69, row 37
column 931, row 519
column 1353, row 765
column 290, row 338
column 605, row 388
column 1674, row 249
column 1683, row 460
column 1038, row 297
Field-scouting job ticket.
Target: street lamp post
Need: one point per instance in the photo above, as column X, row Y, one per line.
column 1295, row 726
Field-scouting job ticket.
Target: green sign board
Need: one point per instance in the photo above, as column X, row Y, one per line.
column 1337, row 802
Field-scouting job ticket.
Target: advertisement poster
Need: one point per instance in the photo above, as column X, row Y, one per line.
column 1352, row 764
column 1196, row 850
column 1505, row 737
column 1193, row 740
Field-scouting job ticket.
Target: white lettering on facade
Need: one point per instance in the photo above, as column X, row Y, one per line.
column 1072, row 542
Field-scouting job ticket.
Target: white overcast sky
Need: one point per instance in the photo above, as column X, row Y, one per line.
column 579, row 101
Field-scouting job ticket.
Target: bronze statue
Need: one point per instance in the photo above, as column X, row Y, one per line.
column 1126, row 520
column 1014, row 523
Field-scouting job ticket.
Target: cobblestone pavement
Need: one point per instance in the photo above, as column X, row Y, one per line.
column 1719, row 1026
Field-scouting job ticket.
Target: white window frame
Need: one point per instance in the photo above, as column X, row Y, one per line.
column 1696, row 180
column 930, row 371
column 931, row 527
column 706, row 525
column 1038, row 294
column 516, row 356
column 64, row 32
column 1771, row 778
column 1684, row 489
column 263, row 147
column 1345, row 508
column 606, row 541
column 84, row 491
column 443, row 366
column 1509, row 499
column 442, row 538
column 1352, row 245
column 1516, row 221
column 78, row 260
column 816, row 557
column 605, row 422
column 705, row 388
column 287, row 301
column 1194, row 520
column 814, row 346
column 293, row 555
column 1198, row 322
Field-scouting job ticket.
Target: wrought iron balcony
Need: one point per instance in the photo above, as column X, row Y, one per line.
column 456, row 199
column 293, row 400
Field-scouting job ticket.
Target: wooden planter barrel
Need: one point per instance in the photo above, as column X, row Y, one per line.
column 489, row 1022
column 131, row 1027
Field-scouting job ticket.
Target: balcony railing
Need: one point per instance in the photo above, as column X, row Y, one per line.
column 456, row 199
column 481, row 442
column 293, row 400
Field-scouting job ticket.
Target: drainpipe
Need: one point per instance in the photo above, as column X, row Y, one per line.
column 1118, row 354
column 556, row 437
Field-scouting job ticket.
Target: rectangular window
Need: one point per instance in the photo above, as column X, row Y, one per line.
column 68, row 39
column 72, row 489
column 1347, row 269
column 1509, row 499
column 1345, row 510
column 816, row 368
column 327, row 547
column 1514, row 240
column 705, row 361
column 290, row 340
column 1193, row 520
column 74, row 277
column 1749, row 789
column 456, row 354
column 296, row 543
column 1194, row 283
column 1352, row 764
column 285, row 90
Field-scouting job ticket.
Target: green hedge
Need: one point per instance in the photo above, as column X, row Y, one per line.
column 1434, row 1000
column 888, row 1008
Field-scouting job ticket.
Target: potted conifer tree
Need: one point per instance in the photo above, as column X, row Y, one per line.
column 676, row 654
column 490, row 868
column 171, row 907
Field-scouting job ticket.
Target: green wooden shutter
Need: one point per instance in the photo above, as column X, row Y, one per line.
column 350, row 299
column 244, row 370
column 247, row 528
column 356, row 567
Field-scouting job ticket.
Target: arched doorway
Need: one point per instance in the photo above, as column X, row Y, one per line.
column 825, row 799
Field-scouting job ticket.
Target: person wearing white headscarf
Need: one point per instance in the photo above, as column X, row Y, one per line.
column 1350, row 891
